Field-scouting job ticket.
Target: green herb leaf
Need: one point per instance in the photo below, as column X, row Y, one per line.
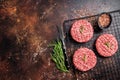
column 58, row 56
column 107, row 44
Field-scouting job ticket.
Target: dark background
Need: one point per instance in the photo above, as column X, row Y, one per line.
column 28, row 26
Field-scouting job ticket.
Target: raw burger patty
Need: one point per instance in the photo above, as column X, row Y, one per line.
column 81, row 31
column 84, row 59
column 106, row 45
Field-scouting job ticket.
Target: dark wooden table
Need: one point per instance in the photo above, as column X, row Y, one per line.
column 28, row 26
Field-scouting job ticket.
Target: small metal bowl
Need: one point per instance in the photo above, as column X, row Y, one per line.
column 108, row 24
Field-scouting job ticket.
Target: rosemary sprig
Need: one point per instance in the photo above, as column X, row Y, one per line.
column 58, row 56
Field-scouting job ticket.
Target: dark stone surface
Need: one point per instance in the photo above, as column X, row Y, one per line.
column 28, row 26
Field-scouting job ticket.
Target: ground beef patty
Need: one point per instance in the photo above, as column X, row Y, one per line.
column 81, row 31
column 106, row 45
column 84, row 59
